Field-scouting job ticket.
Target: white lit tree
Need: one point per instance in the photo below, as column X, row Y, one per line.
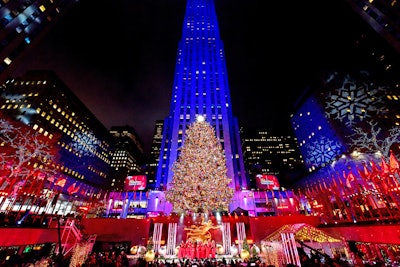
column 26, row 157
column 200, row 183
column 373, row 140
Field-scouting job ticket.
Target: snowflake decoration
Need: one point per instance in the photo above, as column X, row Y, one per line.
column 354, row 101
column 84, row 143
column 322, row 151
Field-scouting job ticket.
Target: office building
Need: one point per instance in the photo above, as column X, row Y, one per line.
column 382, row 16
column 201, row 88
column 277, row 155
column 127, row 158
column 23, row 23
column 42, row 101
column 152, row 161
column 348, row 96
column 326, row 117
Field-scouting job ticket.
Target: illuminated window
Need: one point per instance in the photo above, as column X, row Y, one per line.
column 7, row 60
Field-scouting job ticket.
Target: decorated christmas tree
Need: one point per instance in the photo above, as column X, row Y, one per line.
column 200, row 182
column 245, row 252
column 150, row 244
column 246, row 245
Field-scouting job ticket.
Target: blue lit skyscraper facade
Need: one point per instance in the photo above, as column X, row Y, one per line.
column 201, row 88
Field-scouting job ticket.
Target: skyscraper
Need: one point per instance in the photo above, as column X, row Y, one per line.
column 382, row 16
column 43, row 102
column 22, row 23
column 152, row 161
column 201, row 88
column 266, row 153
column 128, row 156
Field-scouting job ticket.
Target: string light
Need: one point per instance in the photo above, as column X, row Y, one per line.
column 200, row 182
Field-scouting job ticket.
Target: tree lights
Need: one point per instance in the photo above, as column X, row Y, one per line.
column 200, row 183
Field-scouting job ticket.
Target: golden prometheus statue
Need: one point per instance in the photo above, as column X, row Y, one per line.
column 200, row 232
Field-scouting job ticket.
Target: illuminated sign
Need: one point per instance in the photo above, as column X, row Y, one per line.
column 285, row 207
column 135, row 182
column 267, row 182
column 152, row 214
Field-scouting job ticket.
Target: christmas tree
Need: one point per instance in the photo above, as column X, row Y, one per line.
column 200, row 182
column 150, row 244
column 246, row 245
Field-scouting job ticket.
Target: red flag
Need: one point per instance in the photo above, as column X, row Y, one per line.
column 16, row 187
column 384, row 167
column 3, row 183
column 82, row 190
column 61, row 182
column 393, row 163
column 364, row 172
column 50, row 179
column 9, row 185
column 41, row 176
column 41, row 186
column 349, row 179
column 383, row 186
column 32, row 182
column 375, row 170
column 308, row 192
column 320, row 186
column 76, row 190
column 73, row 188
column 334, row 187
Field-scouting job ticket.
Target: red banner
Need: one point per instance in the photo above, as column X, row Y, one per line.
column 135, row 183
column 267, row 182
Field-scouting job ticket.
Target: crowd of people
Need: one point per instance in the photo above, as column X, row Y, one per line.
column 107, row 259
column 119, row 258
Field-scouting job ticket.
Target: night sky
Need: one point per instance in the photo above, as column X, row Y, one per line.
column 119, row 56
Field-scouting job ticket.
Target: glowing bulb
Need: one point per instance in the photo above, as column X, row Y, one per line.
column 200, row 118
